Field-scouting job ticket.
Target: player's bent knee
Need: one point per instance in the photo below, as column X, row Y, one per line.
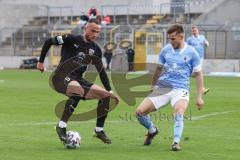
column 140, row 112
column 74, row 88
column 105, row 94
column 73, row 83
column 97, row 92
column 179, row 111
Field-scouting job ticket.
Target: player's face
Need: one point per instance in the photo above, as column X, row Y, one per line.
column 194, row 31
column 92, row 31
column 175, row 39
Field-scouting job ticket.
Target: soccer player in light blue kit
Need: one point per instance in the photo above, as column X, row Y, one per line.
column 199, row 42
column 177, row 62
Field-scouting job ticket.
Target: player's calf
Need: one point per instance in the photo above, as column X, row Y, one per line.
column 147, row 123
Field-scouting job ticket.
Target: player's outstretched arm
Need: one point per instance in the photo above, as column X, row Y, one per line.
column 103, row 77
column 199, row 81
column 156, row 75
column 47, row 44
column 206, row 43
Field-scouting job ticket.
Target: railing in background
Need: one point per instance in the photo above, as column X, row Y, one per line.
column 68, row 12
column 224, row 40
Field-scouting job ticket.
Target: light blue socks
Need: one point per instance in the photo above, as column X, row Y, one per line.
column 178, row 127
column 146, row 122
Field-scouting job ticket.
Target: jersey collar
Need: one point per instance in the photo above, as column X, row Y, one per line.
column 181, row 50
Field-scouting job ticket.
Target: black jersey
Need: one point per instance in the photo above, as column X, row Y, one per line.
column 72, row 46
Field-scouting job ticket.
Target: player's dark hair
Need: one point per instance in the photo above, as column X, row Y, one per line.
column 178, row 28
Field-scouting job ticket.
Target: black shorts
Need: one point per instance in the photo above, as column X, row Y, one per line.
column 60, row 83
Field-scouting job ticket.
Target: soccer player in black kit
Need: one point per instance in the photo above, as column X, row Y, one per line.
column 76, row 53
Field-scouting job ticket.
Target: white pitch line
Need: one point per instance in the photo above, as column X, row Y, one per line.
column 50, row 123
column 2, row 81
column 213, row 114
column 119, row 121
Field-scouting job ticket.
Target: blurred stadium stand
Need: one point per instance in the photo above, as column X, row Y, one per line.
column 25, row 24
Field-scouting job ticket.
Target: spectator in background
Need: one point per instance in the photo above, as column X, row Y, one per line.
column 99, row 19
column 84, row 17
column 92, row 12
column 108, row 56
column 130, row 53
column 106, row 20
column 83, row 20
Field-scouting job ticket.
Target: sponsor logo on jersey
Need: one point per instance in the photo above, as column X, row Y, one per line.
column 79, row 59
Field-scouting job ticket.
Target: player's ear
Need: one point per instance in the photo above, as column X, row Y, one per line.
column 182, row 36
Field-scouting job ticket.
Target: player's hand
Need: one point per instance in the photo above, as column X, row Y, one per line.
column 40, row 66
column 200, row 103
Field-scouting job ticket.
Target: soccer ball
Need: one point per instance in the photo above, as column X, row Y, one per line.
column 73, row 139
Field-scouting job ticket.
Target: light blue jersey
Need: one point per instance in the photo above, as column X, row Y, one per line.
column 178, row 66
column 198, row 43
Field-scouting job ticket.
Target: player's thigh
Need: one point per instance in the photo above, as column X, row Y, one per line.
column 179, row 100
column 96, row 92
column 159, row 100
column 152, row 103
column 180, row 106
column 74, row 88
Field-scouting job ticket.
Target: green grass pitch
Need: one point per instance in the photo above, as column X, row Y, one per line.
column 27, row 123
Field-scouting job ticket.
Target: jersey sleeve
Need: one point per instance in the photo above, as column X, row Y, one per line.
column 196, row 62
column 47, row 44
column 64, row 39
column 57, row 40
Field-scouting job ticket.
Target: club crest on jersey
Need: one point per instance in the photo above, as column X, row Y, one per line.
column 186, row 59
column 79, row 59
column 90, row 52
